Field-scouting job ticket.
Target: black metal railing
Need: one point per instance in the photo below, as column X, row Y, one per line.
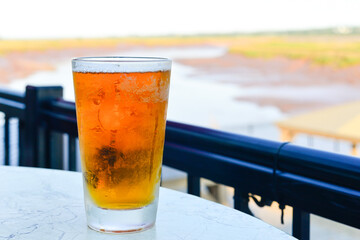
column 311, row 181
column 12, row 104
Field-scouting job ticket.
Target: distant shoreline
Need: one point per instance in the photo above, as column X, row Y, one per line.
column 296, row 75
column 337, row 50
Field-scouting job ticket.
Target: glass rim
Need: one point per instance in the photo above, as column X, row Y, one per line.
column 120, row 64
column 121, row 59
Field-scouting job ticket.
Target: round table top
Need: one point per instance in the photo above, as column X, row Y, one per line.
column 48, row 204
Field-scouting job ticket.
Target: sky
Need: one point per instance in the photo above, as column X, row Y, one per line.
column 23, row 19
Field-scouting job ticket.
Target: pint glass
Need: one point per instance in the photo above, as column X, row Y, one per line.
column 121, row 105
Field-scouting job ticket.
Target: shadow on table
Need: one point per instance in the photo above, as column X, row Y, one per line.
column 148, row 234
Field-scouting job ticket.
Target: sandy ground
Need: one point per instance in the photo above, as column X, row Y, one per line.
column 297, row 76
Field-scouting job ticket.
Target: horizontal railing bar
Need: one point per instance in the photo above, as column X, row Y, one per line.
column 220, row 169
column 340, row 169
column 12, row 95
column 60, row 123
column 12, row 108
column 333, row 168
column 62, row 106
column 237, row 146
column 205, row 164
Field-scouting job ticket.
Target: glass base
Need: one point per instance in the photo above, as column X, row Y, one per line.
column 120, row 221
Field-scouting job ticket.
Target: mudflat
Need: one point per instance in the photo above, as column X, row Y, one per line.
column 290, row 84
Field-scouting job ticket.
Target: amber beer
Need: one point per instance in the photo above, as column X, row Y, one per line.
column 121, row 123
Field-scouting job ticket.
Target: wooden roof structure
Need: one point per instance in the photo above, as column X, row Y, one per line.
column 339, row 122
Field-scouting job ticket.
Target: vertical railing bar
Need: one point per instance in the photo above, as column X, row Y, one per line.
column 301, row 224
column 193, row 185
column 48, row 162
column 7, row 140
column 21, row 142
column 72, row 153
column 237, row 199
column 241, row 201
column 14, row 141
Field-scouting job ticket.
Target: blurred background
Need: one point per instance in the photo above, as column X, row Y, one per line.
column 278, row 70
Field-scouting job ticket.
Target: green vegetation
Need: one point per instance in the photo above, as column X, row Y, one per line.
column 336, row 31
column 333, row 51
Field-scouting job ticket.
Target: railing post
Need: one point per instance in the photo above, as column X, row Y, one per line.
column 35, row 139
column 301, row 224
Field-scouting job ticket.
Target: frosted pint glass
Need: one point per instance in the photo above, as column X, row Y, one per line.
column 121, row 105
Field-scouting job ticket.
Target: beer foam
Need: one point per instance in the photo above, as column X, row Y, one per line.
column 120, row 64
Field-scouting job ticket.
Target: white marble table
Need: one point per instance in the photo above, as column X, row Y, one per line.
column 48, row 204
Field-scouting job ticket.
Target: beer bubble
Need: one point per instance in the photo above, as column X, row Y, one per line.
column 98, row 96
column 110, row 115
column 97, row 129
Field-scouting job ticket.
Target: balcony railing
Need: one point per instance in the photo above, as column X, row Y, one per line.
column 311, row 181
